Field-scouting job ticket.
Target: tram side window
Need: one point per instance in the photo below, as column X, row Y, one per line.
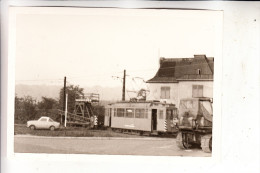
column 141, row 113
column 161, row 114
column 130, row 113
column 115, row 112
column 146, row 113
column 120, row 112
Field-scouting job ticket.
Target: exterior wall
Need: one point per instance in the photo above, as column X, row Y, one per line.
column 180, row 90
column 143, row 124
column 185, row 89
column 155, row 92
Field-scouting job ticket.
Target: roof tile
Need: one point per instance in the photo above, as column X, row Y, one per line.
column 175, row 69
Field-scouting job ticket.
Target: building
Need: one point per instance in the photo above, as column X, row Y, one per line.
column 179, row 78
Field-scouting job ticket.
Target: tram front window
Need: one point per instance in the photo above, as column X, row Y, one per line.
column 169, row 114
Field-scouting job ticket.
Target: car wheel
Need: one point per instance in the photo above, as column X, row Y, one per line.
column 32, row 127
column 52, row 128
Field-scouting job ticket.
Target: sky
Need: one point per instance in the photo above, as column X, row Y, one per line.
column 92, row 46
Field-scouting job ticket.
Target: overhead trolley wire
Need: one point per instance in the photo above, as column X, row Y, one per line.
column 105, row 74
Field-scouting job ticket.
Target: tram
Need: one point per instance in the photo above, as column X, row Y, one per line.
column 152, row 117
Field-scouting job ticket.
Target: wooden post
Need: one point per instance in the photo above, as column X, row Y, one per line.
column 123, row 92
column 66, row 110
column 64, row 93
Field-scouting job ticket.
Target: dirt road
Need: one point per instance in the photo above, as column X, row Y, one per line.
column 102, row 145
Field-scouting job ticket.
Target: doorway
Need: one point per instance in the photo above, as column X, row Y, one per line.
column 154, row 119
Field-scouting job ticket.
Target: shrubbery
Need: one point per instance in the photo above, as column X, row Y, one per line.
column 27, row 108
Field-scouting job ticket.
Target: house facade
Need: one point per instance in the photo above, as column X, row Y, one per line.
column 179, row 78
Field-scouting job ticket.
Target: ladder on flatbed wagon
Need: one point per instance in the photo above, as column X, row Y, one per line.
column 83, row 114
column 75, row 120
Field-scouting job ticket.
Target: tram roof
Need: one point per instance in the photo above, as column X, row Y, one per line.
column 198, row 98
column 153, row 102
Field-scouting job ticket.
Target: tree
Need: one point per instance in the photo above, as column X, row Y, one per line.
column 47, row 107
column 25, row 108
column 17, row 109
column 47, row 103
column 74, row 92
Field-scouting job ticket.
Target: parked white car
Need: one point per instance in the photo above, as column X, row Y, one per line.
column 43, row 123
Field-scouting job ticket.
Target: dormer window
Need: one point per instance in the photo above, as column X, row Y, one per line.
column 199, row 71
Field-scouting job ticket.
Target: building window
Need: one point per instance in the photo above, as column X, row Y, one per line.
column 165, row 92
column 197, row 90
column 199, row 71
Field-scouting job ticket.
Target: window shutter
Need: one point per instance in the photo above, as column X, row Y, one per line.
column 200, row 90
column 167, row 93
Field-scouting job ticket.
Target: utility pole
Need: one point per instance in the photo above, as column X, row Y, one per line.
column 66, row 110
column 64, row 94
column 123, row 92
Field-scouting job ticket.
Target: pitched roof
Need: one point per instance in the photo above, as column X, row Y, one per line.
column 177, row 69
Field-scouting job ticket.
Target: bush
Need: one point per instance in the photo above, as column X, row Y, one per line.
column 27, row 108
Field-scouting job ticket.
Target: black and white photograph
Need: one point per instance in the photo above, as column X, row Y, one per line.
column 133, row 85
column 120, row 81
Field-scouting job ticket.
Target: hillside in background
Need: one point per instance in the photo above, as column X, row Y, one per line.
column 37, row 91
column 52, row 91
column 106, row 93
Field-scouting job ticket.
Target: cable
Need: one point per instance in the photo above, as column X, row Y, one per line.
column 189, row 65
column 37, row 80
column 71, row 77
column 91, row 76
column 100, row 76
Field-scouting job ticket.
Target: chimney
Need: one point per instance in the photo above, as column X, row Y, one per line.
column 200, row 56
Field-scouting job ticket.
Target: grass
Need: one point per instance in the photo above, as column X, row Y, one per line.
column 69, row 132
